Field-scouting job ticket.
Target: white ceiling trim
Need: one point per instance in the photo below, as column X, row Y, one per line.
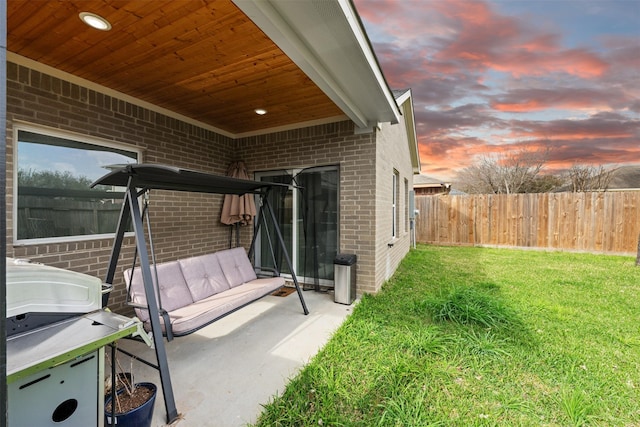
column 292, row 126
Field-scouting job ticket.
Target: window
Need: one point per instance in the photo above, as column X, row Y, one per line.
column 53, row 198
column 394, row 204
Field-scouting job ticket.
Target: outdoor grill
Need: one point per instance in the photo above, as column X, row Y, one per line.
column 56, row 333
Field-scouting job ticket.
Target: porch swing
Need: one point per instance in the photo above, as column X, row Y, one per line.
column 234, row 264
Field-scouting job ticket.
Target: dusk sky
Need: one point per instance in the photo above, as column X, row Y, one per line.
column 490, row 76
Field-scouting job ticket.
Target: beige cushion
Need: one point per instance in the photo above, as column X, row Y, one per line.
column 203, row 276
column 192, row 317
column 236, row 266
column 196, row 291
column 174, row 292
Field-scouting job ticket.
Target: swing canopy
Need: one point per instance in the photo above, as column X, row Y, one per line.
column 163, row 177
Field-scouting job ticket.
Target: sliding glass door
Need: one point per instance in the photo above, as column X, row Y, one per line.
column 308, row 218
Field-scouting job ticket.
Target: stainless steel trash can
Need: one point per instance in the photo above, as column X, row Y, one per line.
column 344, row 276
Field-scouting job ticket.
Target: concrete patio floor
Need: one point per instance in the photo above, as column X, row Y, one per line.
column 223, row 373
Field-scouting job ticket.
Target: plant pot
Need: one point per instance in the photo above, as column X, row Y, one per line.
column 136, row 417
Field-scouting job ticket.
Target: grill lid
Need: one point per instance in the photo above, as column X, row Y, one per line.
column 37, row 288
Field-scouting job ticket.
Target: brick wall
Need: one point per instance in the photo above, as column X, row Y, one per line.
column 187, row 224
column 392, row 155
column 330, row 144
column 183, row 224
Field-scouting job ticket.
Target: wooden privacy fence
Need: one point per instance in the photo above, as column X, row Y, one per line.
column 594, row 222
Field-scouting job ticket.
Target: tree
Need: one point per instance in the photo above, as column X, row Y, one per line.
column 545, row 183
column 583, row 178
column 52, row 179
column 516, row 172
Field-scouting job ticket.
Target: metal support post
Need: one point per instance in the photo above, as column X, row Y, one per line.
column 285, row 253
column 154, row 315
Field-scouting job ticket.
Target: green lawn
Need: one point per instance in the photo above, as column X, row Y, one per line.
column 481, row 337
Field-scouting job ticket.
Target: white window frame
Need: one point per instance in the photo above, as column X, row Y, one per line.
column 406, row 205
column 394, row 205
column 78, row 137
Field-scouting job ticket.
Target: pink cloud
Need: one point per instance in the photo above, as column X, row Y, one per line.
column 608, row 125
column 487, row 39
column 567, row 98
column 577, row 62
column 604, row 138
column 453, row 154
column 541, row 43
column 471, row 66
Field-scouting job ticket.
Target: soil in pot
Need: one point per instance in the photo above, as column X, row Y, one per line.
column 126, row 401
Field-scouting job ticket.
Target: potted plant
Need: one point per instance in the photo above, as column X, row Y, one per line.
column 130, row 403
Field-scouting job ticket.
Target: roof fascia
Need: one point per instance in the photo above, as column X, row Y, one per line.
column 403, row 98
column 405, row 101
column 284, row 23
column 365, row 44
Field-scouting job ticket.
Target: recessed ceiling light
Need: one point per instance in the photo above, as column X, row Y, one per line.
column 95, row 21
column 260, row 111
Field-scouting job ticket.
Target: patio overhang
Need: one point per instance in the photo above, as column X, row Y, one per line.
column 214, row 62
column 327, row 41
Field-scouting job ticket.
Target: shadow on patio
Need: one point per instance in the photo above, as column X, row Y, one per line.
column 223, row 373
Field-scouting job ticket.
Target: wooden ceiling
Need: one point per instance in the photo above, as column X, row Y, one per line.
column 203, row 59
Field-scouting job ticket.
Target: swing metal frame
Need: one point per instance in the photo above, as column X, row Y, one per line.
column 140, row 178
